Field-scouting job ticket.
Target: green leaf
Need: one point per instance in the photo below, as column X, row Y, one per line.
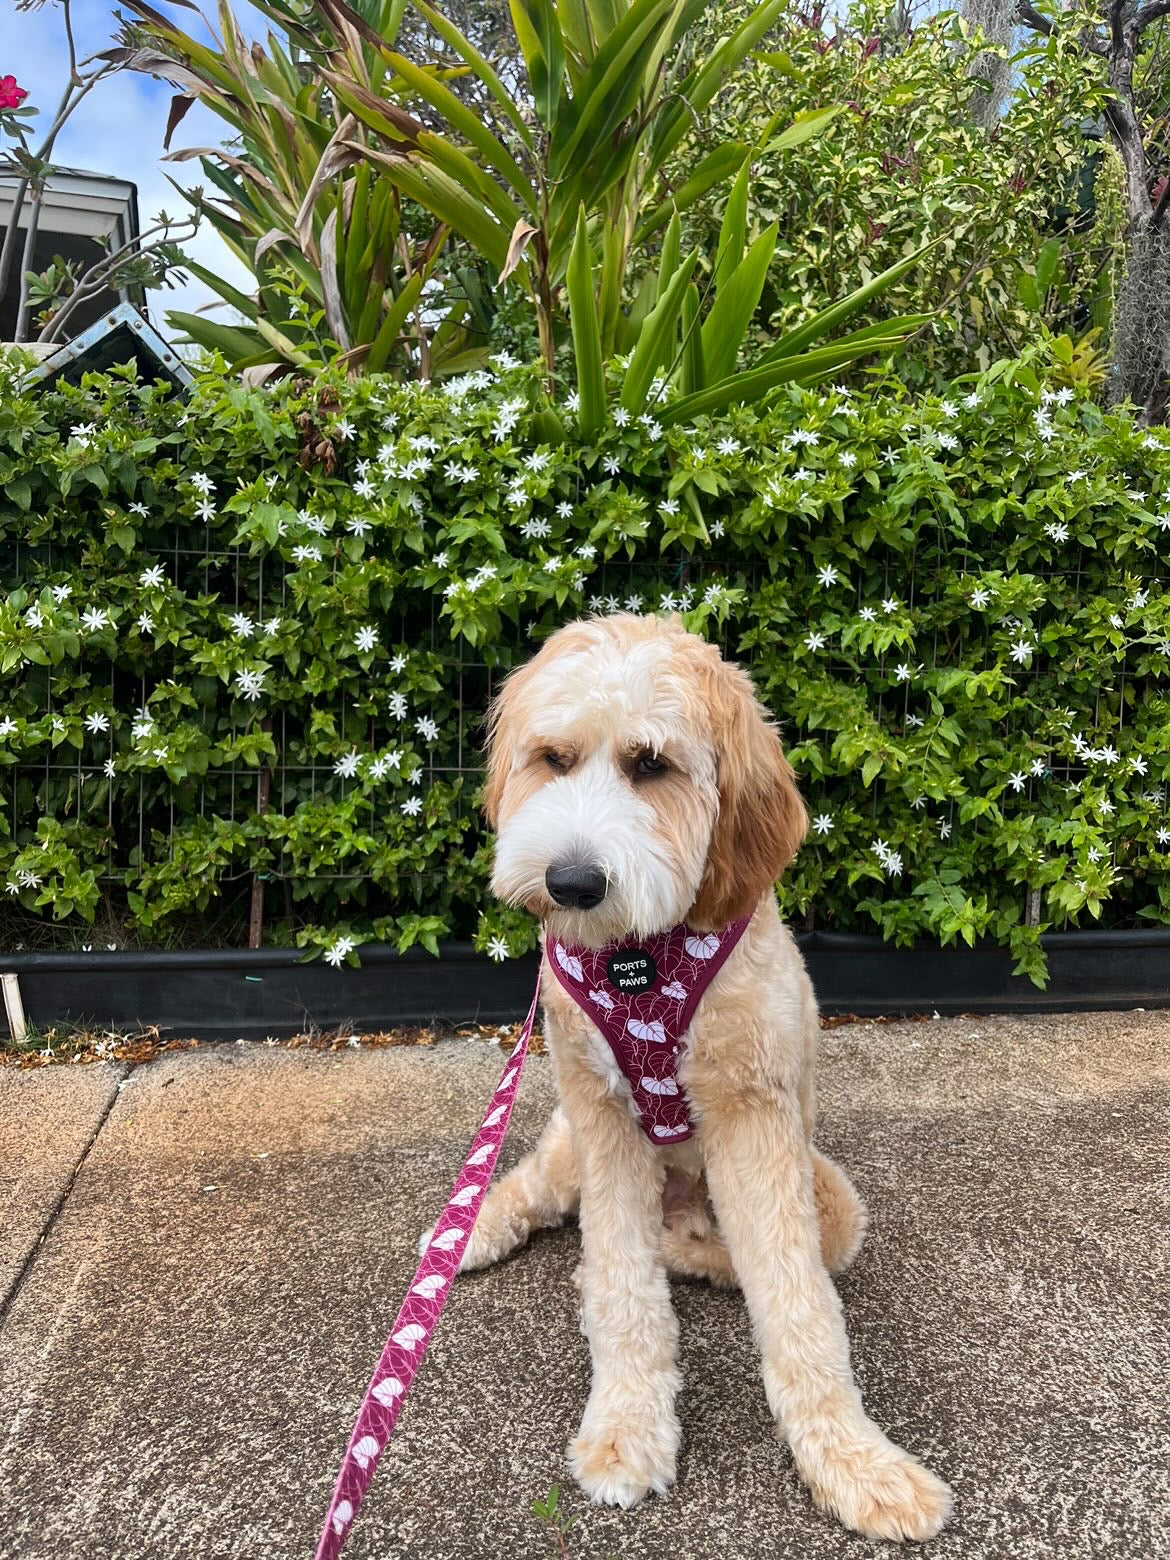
column 734, row 308
column 714, row 168
column 656, row 344
column 539, row 35
column 586, row 333
column 391, row 327
column 732, row 230
column 828, row 319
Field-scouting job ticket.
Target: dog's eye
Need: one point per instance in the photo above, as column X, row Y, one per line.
column 556, row 761
column 650, row 764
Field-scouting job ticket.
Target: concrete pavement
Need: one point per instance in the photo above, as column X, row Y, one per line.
column 200, row 1258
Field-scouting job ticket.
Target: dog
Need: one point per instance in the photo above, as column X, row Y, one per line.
column 636, row 785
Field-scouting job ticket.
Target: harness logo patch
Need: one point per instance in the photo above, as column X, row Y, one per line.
column 631, row 969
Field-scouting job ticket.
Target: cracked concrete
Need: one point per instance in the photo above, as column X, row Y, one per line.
column 182, row 1360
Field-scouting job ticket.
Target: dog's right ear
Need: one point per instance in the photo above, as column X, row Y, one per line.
column 501, row 741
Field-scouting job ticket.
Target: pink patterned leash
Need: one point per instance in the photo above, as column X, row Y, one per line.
column 420, row 1311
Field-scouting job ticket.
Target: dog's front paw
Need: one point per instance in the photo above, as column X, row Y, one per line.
column 623, row 1455
column 883, row 1492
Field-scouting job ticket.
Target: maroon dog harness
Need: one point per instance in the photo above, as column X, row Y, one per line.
column 642, row 996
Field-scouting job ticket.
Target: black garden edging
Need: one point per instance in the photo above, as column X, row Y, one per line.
column 225, row 995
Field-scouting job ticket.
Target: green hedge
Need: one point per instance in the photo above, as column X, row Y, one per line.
column 950, row 604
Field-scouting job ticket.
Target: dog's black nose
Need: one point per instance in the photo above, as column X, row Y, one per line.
column 576, row 887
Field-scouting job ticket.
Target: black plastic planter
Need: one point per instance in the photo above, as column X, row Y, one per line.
column 218, row 995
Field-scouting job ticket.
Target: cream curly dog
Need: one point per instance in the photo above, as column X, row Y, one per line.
column 636, row 784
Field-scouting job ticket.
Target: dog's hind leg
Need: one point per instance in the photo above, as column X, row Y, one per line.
column 841, row 1214
column 537, row 1195
column 692, row 1246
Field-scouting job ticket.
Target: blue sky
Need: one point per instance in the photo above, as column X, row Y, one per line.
column 119, row 127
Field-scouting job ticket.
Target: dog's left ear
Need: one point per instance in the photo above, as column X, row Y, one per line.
column 762, row 819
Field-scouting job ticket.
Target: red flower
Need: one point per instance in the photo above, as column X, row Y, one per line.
column 11, row 96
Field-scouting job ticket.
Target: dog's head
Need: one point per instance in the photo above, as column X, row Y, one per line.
column 635, row 782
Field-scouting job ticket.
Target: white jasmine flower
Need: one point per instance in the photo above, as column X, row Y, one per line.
column 62, row 593
column 668, row 506
column 412, row 806
column 271, row 627
column 893, row 864
column 815, row 641
column 913, row 722
column 867, row 615
column 250, row 685
column 153, row 576
column 717, row 529
column 948, row 409
column 1017, row 780
column 161, row 754
column 536, row 528
column 364, row 488
column 1021, row 651
column 440, row 559
column 97, row 722
column 398, row 662
column 93, row 619
column 620, row 416
column 1138, row 766
column 980, row 597
column 822, row 824
column 902, row 672
column 565, row 509
column 827, row 574
column 346, row 767
column 426, row 727
column 1163, row 836
column 344, row 430
column 587, row 550
column 497, row 949
column 971, row 401
column 944, row 830
column 7, row 726
column 802, row 474
column 847, row 459
column 729, row 446
column 1058, row 532
column 612, row 465
column 201, row 482
column 1038, row 766
column 34, row 617
column 307, row 554
column 414, row 777
column 109, row 768
column 633, row 603
column 336, row 953
column 366, row 639
column 890, row 604
column 243, row 625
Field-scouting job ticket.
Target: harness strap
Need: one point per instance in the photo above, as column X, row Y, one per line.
column 422, row 1307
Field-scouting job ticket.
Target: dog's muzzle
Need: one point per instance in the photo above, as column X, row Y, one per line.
column 575, row 886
